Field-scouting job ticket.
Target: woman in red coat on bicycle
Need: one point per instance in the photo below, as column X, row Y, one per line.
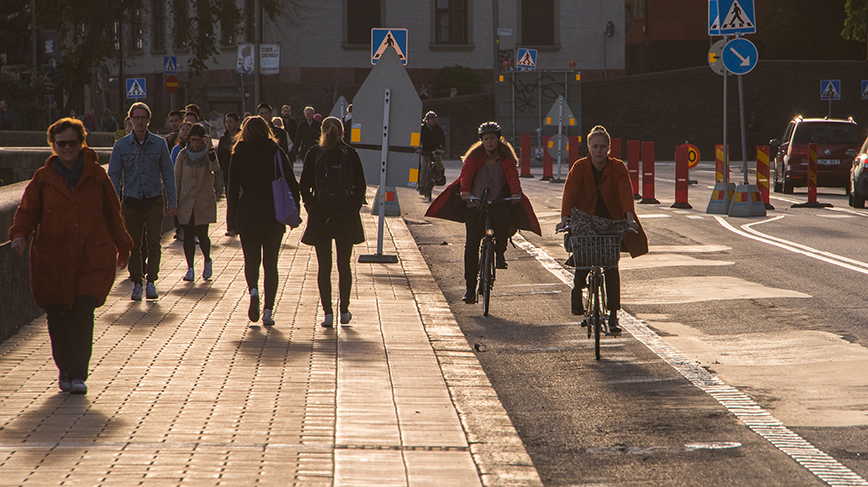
column 488, row 164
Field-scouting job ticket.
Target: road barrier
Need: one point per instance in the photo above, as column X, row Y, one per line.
column 682, row 173
column 721, row 167
column 633, row 147
column 762, row 174
column 648, row 174
column 615, row 148
column 525, row 156
column 721, row 195
column 812, row 181
column 547, row 160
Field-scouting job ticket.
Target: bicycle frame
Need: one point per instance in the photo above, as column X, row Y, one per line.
column 487, row 267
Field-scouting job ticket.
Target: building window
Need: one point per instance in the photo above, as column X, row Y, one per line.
column 451, row 22
column 158, row 25
column 249, row 21
column 538, row 23
column 362, row 16
column 639, row 9
column 137, row 32
column 228, row 29
column 181, row 29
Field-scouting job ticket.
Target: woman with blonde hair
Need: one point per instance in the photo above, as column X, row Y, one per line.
column 333, row 187
column 250, row 209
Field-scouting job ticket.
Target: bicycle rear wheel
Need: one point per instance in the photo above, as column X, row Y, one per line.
column 597, row 317
column 487, row 274
column 430, row 182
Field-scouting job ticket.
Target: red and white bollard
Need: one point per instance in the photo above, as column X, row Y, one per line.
column 633, row 147
column 648, row 174
column 547, row 160
column 682, row 174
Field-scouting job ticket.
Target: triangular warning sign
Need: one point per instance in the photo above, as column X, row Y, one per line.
column 389, row 41
column 830, row 92
column 567, row 115
column 135, row 89
column 526, row 60
column 736, row 18
column 170, row 67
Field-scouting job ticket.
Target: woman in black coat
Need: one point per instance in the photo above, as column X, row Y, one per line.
column 333, row 187
column 250, row 208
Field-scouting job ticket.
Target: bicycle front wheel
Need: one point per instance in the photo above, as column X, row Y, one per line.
column 597, row 317
column 487, row 274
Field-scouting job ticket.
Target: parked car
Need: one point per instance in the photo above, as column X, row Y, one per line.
column 834, row 138
column 859, row 177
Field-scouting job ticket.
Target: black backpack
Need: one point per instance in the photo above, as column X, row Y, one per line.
column 334, row 178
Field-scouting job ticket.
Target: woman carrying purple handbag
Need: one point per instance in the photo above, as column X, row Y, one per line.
column 250, row 205
column 285, row 209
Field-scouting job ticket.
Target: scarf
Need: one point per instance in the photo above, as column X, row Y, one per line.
column 196, row 158
column 70, row 175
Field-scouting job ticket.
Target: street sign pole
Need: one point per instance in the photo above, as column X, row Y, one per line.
column 743, row 138
column 725, row 145
column 381, row 192
column 560, row 138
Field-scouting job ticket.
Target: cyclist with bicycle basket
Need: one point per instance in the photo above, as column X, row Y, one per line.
column 600, row 186
column 490, row 164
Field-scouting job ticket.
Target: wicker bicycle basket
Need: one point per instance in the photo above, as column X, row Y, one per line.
column 590, row 251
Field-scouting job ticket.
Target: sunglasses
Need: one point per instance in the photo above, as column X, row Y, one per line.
column 67, row 143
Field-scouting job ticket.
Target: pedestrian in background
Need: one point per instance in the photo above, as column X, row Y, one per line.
column 264, row 111
column 181, row 140
column 224, row 147
column 197, row 203
column 128, row 127
column 307, row 134
column 289, row 123
column 333, row 187
column 80, row 240
column 89, row 120
column 175, row 119
column 250, row 209
column 108, row 123
column 140, row 165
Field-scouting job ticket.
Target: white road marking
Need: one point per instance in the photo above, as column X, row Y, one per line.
column 828, row 257
column 696, row 217
column 739, row 404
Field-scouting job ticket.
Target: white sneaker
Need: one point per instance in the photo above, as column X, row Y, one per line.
column 266, row 317
column 190, row 274
column 208, row 271
column 151, row 291
column 137, row 292
column 329, row 320
column 77, row 386
column 346, row 317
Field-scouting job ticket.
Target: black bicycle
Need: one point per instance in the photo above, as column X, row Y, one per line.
column 596, row 254
column 487, row 266
column 426, row 187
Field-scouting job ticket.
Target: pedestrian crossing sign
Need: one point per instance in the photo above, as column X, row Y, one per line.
column 136, row 88
column 384, row 38
column 713, row 18
column 830, row 89
column 526, row 60
column 170, row 65
column 736, row 17
column 865, row 89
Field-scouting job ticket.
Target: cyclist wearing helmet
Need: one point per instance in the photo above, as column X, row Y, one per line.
column 433, row 144
column 600, row 185
column 489, row 164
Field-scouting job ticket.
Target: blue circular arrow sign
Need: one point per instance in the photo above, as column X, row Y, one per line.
column 739, row 56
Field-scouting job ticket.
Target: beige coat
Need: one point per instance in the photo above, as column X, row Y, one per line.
column 195, row 186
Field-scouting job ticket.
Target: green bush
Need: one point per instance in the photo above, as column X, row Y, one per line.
column 464, row 79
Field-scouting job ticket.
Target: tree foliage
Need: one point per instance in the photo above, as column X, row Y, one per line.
column 89, row 30
column 856, row 20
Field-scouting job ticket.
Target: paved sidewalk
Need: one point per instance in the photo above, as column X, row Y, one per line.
column 183, row 391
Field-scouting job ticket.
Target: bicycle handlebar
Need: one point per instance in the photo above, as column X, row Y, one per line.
column 478, row 199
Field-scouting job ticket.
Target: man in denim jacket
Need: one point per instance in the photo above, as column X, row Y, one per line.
column 141, row 169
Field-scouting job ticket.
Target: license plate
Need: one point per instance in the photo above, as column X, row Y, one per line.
column 828, row 162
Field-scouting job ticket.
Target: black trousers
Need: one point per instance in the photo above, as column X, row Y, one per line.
column 474, row 226
column 324, row 273
column 71, row 332
column 261, row 248
column 613, row 287
column 201, row 231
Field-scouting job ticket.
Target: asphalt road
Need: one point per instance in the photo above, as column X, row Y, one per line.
column 772, row 306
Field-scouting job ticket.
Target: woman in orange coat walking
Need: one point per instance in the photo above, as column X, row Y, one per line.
column 600, row 185
column 80, row 237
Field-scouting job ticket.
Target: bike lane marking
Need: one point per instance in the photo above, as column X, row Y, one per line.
column 739, row 404
column 748, row 232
